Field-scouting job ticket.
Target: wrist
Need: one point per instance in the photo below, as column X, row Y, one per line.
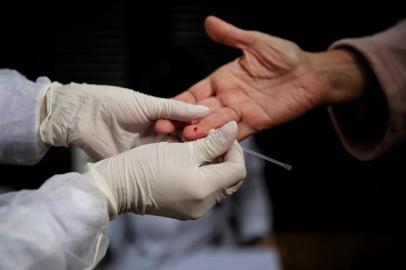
column 103, row 188
column 342, row 73
column 53, row 128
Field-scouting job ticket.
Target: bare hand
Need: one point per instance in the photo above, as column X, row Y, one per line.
column 274, row 81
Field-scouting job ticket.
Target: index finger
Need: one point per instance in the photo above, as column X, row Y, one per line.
column 194, row 94
column 213, row 120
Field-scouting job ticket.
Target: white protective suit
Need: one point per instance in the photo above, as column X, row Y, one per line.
column 62, row 225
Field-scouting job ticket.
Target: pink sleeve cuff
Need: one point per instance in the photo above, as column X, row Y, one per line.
column 374, row 123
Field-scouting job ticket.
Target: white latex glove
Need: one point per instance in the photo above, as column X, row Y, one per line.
column 106, row 120
column 172, row 179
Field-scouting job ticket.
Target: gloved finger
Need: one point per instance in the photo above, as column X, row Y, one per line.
column 225, row 177
column 216, row 143
column 165, row 126
column 159, row 108
column 213, row 120
column 168, row 126
column 195, row 93
column 227, row 34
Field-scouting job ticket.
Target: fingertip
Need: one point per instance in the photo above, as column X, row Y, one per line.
column 212, row 25
column 210, row 19
column 194, row 132
column 223, row 32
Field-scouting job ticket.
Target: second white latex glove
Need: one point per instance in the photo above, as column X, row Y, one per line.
column 106, row 120
column 175, row 180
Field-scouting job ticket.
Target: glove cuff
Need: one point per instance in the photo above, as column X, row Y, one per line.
column 53, row 129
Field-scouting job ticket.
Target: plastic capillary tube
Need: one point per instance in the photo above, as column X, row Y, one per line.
column 274, row 161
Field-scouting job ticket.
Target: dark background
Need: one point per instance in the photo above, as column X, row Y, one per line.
column 161, row 49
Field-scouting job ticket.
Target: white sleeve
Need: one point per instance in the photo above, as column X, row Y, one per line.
column 20, row 100
column 62, row 225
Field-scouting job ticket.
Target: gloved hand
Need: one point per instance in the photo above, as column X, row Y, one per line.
column 175, row 180
column 106, row 120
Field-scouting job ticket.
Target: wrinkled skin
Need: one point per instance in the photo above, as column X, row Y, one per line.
column 273, row 81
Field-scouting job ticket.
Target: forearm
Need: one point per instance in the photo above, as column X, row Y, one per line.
column 62, row 225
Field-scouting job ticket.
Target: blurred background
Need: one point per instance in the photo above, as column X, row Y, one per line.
column 331, row 211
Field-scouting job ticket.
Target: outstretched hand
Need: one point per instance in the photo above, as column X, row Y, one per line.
column 274, row 81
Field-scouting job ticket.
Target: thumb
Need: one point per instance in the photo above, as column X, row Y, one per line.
column 226, row 177
column 175, row 110
column 216, row 143
column 227, row 34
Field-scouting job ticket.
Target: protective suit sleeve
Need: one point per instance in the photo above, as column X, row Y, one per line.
column 377, row 121
column 20, row 101
column 62, row 225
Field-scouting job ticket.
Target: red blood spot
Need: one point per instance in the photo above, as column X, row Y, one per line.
column 195, row 129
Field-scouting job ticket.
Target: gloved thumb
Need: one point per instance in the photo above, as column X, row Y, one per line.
column 216, row 143
column 227, row 34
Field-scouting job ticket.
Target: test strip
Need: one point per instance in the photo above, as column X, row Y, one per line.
column 284, row 165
